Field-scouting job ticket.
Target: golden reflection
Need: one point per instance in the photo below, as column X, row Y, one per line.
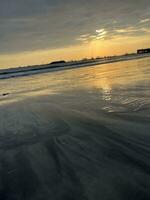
column 105, row 87
column 109, row 76
column 104, row 78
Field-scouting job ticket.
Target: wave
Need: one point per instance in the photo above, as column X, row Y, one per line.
column 31, row 70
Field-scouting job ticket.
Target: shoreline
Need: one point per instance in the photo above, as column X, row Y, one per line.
column 32, row 70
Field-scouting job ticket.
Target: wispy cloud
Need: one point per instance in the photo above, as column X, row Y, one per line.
column 100, row 31
column 39, row 24
column 128, row 30
column 97, row 35
column 109, row 33
column 145, row 20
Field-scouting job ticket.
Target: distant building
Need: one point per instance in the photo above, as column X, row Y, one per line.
column 141, row 51
column 58, row 62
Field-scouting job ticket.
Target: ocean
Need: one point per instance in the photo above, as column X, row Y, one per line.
column 77, row 134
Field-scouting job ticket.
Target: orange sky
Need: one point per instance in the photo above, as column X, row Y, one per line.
column 40, row 31
column 94, row 48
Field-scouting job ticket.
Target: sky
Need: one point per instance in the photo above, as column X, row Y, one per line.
column 41, row 31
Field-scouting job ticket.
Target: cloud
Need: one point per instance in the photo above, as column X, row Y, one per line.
column 100, row 31
column 27, row 25
column 145, row 20
column 108, row 34
column 97, row 35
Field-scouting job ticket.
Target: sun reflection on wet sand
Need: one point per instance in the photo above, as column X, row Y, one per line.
column 111, row 82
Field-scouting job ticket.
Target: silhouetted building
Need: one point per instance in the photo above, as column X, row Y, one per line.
column 58, row 62
column 140, row 51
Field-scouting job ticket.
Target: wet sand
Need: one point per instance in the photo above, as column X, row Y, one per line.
column 64, row 146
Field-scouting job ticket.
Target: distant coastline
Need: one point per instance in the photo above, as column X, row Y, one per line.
column 62, row 65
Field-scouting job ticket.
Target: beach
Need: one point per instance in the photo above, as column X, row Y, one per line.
column 77, row 134
column 11, row 72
